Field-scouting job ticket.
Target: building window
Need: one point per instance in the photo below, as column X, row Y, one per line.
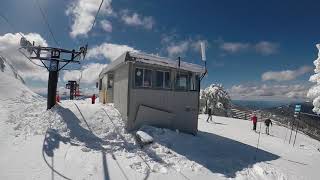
column 162, row 79
column 181, row 81
column 100, row 84
column 110, row 81
column 143, row 77
column 194, row 83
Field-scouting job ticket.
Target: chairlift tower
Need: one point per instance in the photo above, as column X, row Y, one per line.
column 53, row 59
column 73, row 86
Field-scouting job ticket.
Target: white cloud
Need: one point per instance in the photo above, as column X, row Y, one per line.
column 137, row 20
column 89, row 75
column 109, row 51
column 266, row 48
column 234, row 47
column 83, row 13
column 9, row 45
column 262, row 47
column 269, row 91
column 285, row 75
column 178, row 49
column 106, row 25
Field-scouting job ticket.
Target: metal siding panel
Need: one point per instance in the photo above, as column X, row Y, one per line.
column 120, row 89
column 172, row 101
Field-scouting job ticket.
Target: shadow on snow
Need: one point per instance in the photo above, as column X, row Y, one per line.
column 78, row 133
column 216, row 153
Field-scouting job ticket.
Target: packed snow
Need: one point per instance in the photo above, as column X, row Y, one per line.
column 80, row 140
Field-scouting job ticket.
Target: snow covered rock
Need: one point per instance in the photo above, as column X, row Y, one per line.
column 143, row 138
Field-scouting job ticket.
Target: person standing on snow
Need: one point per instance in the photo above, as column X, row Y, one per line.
column 209, row 114
column 93, row 99
column 267, row 122
column 254, row 120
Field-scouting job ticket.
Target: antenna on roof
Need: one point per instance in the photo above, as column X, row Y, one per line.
column 203, row 51
column 203, row 57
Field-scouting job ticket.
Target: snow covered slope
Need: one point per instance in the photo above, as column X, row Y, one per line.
column 78, row 140
column 11, row 83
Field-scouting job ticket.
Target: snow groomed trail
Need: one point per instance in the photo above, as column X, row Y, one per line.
column 79, row 140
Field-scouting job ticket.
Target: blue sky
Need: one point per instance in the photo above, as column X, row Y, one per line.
column 256, row 49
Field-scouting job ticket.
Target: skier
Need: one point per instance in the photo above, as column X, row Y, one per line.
column 267, row 122
column 93, row 99
column 209, row 114
column 57, row 98
column 254, row 120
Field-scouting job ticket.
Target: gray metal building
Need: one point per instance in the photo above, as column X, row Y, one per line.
column 151, row 90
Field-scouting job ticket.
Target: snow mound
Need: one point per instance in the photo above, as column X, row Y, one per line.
column 17, row 100
column 12, row 84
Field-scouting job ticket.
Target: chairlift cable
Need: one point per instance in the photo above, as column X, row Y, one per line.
column 31, row 60
column 13, row 28
column 46, row 22
column 8, row 22
column 95, row 18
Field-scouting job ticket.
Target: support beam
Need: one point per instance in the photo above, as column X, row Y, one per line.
column 52, row 89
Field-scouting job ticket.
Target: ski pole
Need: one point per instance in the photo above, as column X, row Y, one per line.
column 295, row 137
column 291, row 133
column 285, row 138
column 255, row 156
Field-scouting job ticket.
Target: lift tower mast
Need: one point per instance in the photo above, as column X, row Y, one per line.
column 54, row 60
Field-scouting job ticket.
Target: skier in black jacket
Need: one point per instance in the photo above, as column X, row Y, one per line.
column 209, row 114
column 267, row 122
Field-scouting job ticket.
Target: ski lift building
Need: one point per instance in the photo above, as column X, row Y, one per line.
column 152, row 90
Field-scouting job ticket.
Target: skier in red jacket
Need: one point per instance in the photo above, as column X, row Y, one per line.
column 93, row 99
column 254, row 120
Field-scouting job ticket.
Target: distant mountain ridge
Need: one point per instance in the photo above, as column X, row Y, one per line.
column 308, row 122
column 255, row 104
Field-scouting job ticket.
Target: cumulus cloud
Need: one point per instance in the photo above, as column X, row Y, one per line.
column 136, row 19
column 262, row 47
column 9, row 45
column 234, row 47
column 285, row 75
column 109, row 51
column 269, row 91
column 176, row 48
column 83, row 13
column 106, row 25
column 88, row 75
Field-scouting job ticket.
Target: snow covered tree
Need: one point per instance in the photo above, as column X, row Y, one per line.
column 314, row 92
column 215, row 97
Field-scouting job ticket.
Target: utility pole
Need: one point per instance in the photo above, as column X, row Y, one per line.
column 54, row 60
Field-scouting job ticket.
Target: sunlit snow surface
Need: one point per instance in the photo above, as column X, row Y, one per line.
column 78, row 140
